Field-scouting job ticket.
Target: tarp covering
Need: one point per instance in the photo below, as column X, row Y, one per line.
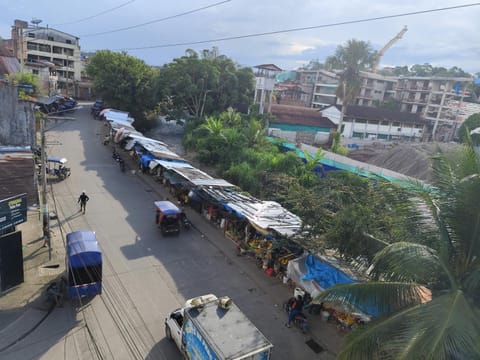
column 83, row 249
column 314, row 275
column 145, row 159
column 326, row 275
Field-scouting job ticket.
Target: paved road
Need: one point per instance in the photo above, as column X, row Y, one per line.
column 145, row 275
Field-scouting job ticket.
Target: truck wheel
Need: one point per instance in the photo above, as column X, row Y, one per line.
column 168, row 332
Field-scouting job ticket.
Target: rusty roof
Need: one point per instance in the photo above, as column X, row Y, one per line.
column 17, row 175
column 298, row 115
column 9, row 65
column 373, row 113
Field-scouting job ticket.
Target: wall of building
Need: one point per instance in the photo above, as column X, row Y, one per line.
column 17, row 121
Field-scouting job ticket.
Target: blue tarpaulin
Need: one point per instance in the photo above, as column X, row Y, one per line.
column 145, row 159
column 325, row 274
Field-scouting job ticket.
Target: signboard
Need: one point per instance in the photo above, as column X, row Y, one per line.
column 13, row 211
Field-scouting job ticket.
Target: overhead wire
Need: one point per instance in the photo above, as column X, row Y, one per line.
column 96, row 15
column 157, row 20
column 341, row 23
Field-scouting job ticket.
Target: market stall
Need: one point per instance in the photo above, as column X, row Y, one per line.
column 314, row 274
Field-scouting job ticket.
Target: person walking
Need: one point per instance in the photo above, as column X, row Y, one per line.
column 82, row 199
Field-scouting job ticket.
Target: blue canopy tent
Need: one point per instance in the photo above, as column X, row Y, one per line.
column 84, row 264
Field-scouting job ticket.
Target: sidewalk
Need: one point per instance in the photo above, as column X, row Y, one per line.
column 24, row 306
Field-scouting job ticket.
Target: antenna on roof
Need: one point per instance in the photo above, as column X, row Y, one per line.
column 36, row 21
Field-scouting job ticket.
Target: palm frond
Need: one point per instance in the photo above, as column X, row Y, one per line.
column 445, row 328
column 375, row 297
column 375, row 340
column 404, row 261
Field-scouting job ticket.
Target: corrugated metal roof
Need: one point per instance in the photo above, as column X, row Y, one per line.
column 212, row 182
column 17, row 175
column 269, row 215
column 9, row 65
column 168, row 164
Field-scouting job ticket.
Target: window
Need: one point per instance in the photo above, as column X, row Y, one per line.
column 51, row 38
column 35, row 71
column 68, row 41
column 396, row 124
column 384, row 123
column 31, row 35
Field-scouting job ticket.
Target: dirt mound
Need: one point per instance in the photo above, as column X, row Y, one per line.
column 411, row 159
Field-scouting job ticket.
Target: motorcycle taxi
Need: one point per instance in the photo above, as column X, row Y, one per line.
column 56, row 167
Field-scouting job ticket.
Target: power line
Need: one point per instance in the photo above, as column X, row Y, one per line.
column 157, row 20
column 302, row 28
column 96, row 15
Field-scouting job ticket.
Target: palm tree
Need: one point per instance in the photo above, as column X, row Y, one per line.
column 414, row 327
column 350, row 59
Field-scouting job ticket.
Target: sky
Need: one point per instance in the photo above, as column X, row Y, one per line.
column 160, row 31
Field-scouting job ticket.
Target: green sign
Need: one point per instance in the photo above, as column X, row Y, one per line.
column 13, row 211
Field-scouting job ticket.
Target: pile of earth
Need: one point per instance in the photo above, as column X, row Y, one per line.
column 411, row 159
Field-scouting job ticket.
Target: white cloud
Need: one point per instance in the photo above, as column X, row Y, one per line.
column 435, row 37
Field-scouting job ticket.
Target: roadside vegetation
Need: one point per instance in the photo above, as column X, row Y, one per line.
column 412, row 238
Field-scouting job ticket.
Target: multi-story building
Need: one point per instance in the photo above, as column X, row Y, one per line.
column 439, row 100
column 324, row 89
column 375, row 89
column 432, row 97
column 37, row 47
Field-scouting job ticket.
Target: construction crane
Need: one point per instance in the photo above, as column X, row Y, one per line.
column 380, row 53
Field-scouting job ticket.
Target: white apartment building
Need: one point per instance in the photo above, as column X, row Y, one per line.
column 59, row 51
column 439, row 100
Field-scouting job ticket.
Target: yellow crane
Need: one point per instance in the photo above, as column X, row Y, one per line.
column 380, row 53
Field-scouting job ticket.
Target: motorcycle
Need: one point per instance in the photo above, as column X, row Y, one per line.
column 119, row 159
column 185, row 222
column 300, row 320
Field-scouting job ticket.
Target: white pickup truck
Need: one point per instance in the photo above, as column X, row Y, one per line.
column 214, row 328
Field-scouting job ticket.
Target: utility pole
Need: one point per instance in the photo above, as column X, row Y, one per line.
column 44, row 202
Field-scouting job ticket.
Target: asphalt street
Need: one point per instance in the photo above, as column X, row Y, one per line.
column 145, row 276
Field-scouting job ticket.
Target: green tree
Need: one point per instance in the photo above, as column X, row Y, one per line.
column 448, row 326
column 350, row 59
column 194, row 86
column 123, row 81
column 472, row 123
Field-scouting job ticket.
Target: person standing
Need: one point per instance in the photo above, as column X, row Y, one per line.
column 82, row 199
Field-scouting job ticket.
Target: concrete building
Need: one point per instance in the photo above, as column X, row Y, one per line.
column 439, row 100
column 376, row 89
column 432, row 97
column 39, row 49
column 324, row 89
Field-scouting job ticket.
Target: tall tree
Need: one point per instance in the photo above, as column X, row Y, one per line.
column 194, row 86
column 414, row 327
column 350, row 59
column 123, row 81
